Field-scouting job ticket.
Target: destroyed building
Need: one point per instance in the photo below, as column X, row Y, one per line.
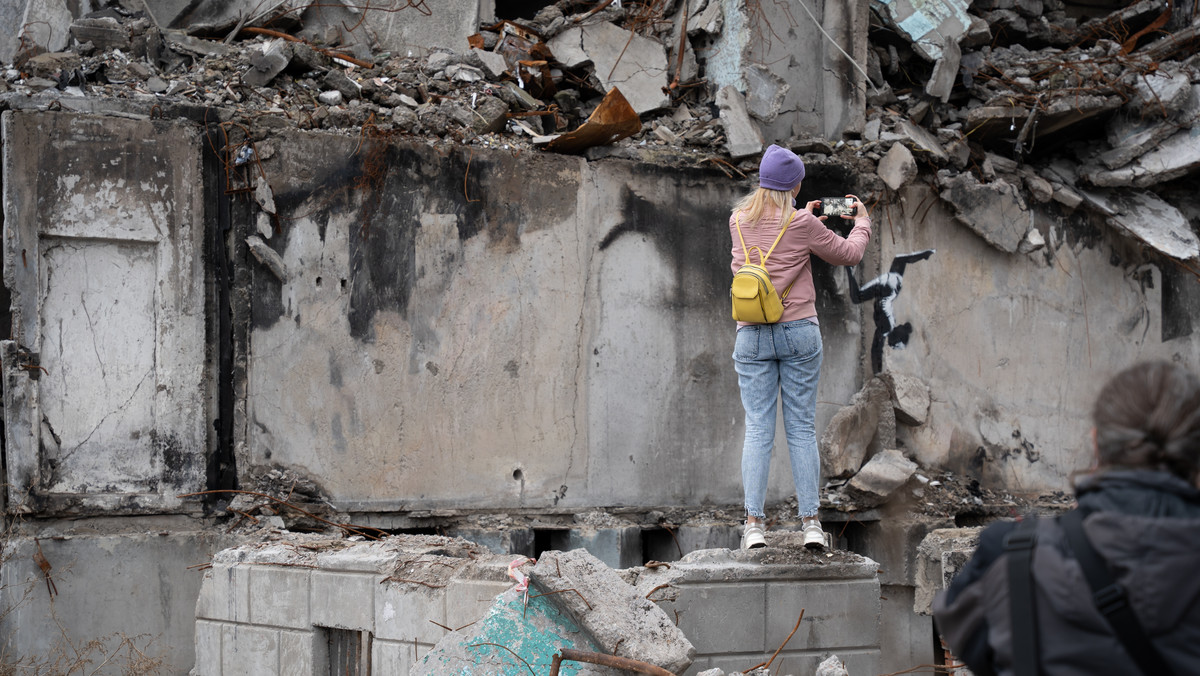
column 322, row 316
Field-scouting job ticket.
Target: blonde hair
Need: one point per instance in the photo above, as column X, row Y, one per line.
column 754, row 204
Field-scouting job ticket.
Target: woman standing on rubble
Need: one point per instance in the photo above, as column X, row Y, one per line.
column 786, row 355
column 1112, row 584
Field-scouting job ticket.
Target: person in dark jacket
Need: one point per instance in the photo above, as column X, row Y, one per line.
column 1141, row 510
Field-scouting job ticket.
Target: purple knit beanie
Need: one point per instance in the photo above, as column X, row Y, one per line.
column 780, row 169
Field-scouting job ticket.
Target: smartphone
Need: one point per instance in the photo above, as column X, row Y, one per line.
column 836, row 206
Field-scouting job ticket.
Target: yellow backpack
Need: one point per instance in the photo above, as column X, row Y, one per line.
column 754, row 297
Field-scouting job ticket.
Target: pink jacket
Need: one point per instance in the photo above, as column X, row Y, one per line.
column 789, row 262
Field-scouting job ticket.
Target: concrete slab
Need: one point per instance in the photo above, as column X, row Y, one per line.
column 851, row 431
column 995, row 211
column 897, row 166
column 742, row 136
column 880, row 477
column 635, row 64
column 929, row 25
column 765, row 92
column 1174, row 157
column 618, row 618
column 121, row 197
column 1148, row 218
column 945, row 70
column 44, row 25
column 516, row 633
column 910, row 397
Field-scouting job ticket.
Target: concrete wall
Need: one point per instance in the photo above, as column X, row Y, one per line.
column 484, row 330
column 262, row 608
column 1015, row 346
column 266, row 609
column 472, row 329
column 138, row 586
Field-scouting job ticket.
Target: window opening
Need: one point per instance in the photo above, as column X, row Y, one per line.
column 348, row 652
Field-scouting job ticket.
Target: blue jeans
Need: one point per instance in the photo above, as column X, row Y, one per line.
column 768, row 358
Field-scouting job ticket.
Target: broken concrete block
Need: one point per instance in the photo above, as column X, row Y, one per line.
column 910, row 397
column 1039, row 188
column 880, row 477
column 709, row 20
column 181, row 41
column 1032, row 242
column 336, row 79
column 265, row 196
column 268, row 257
column 1067, row 197
column 533, row 627
column 832, row 666
column 937, row 556
column 897, row 167
column 638, row 65
column 872, row 128
column 268, row 63
column 978, row 33
column 105, row 33
column 1000, row 164
column 330, row 98
column 850, row 432
column 460, row 72
column 1161, row 93
column 945, row 71
column 438, row 60
column 959, row 151
column 1149, row 219
column 490, row 62
column 490, row 115
column 50, row 64
column 614, row 614
column 766, row 92
column 922, row 139
column 1176, row 156
column 742, row 136
column 995, row 211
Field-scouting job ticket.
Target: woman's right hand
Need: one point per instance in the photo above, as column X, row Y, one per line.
column 860, row 209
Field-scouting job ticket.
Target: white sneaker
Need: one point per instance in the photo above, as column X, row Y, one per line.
column 814, row 535
column 753, row 537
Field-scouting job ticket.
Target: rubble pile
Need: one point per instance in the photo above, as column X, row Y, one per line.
column 1027, row 104
column 1013, row 105
column 868, row 469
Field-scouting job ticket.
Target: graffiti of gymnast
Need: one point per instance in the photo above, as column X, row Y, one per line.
column 884, row 290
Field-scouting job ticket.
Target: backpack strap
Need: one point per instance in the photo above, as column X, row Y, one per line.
column 1110, row 598
column 737, row 222
column 1019, row 546
column 737, row 218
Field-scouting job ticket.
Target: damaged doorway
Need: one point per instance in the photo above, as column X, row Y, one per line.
column 104, row 375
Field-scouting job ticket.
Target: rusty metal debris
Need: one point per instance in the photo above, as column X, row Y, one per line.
column 613, row 120
column 44, row 565
column 626, row 663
